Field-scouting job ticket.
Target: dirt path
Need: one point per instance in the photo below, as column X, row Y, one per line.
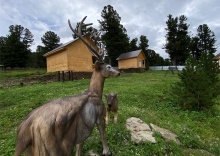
column 35, row 79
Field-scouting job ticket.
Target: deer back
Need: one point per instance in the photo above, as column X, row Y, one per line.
column 58, row 124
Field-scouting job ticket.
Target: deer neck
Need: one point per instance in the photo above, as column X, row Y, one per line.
column 97, row 83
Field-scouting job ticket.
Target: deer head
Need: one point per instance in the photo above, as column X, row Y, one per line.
column 97, row 51
column 110, row 98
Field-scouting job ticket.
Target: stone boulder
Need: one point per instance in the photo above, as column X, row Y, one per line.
column 142, row 132
column 166, row 134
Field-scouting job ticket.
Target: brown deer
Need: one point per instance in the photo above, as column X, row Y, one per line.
column 57, row 126
column 112, row 105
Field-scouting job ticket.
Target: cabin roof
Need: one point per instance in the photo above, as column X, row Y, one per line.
column 59, row 48
column 128, row 55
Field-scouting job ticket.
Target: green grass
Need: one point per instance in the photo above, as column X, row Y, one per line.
column 21, row 73
column 144, row 95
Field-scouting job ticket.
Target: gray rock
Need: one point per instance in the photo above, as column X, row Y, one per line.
column 166, row 134
column 140, row 131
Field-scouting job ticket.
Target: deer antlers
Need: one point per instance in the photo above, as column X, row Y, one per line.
column 98, row 50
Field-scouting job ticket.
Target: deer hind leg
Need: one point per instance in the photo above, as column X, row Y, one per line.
column 107, row 118
column 79, row 149
column 28, row 152
column 115, row 116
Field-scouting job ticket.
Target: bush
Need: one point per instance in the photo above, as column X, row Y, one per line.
column 199, row 83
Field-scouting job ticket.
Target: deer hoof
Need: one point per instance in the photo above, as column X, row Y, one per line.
column 108, row 154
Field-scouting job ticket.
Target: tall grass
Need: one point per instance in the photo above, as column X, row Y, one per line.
column 144, row 95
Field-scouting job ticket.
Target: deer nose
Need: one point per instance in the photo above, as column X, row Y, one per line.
column 118, row 73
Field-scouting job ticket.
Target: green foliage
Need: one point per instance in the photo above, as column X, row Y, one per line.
column 143, row 43
column 144, row 95
column 177, row 45
column 114, row 34
column 50, row 41
column 14, row 49
column 199, row 83
column 153, row 59
column 203, row 41
column 133, row 44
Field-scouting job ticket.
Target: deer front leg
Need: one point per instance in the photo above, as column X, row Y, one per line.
column 101, row 128
column 107, row 116
column 79, row 149
column 28, row 151
column 115, row 116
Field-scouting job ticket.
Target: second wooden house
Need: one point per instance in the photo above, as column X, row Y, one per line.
column 134, row 59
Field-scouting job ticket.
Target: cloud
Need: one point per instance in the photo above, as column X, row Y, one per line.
column 143, row 17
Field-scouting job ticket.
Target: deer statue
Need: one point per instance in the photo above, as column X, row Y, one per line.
column 54, row 128
column 112, row 105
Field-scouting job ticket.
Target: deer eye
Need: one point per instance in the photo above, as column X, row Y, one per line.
column 108, row 67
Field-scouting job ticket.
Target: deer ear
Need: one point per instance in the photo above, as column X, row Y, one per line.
column 97, row 65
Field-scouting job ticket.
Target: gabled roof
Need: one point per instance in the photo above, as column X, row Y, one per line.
column 128, row 55
column 62, row 46
column 59, row 48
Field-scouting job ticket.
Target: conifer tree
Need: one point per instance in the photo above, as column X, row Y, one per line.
column 199, row 83
column 177, row 39
column 203, row 41
column 114, row 35
column 15, row 47
column 133, row 44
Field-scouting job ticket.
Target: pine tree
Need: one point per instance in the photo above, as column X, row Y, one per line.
column 177, row 45
column 2, row 49
column 203, row 41
column 199, row 83
column 153, row 59
column 133, row 44
column 17, row 47
column 114, row 35
column 143, row 43
column 50, row 41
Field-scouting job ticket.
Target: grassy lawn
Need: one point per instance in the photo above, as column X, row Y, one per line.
column 21, row 73
column 143, row 95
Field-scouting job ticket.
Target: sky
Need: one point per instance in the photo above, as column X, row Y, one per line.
column 139, row 17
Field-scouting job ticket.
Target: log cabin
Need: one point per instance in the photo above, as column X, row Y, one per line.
column 133, row 59
column 70, row 57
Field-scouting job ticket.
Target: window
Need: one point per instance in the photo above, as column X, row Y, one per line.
column 140, row 64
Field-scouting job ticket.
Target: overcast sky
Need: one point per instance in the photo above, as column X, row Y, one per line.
column 139, row 17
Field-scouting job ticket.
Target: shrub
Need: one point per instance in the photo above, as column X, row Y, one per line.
column 199, row 83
